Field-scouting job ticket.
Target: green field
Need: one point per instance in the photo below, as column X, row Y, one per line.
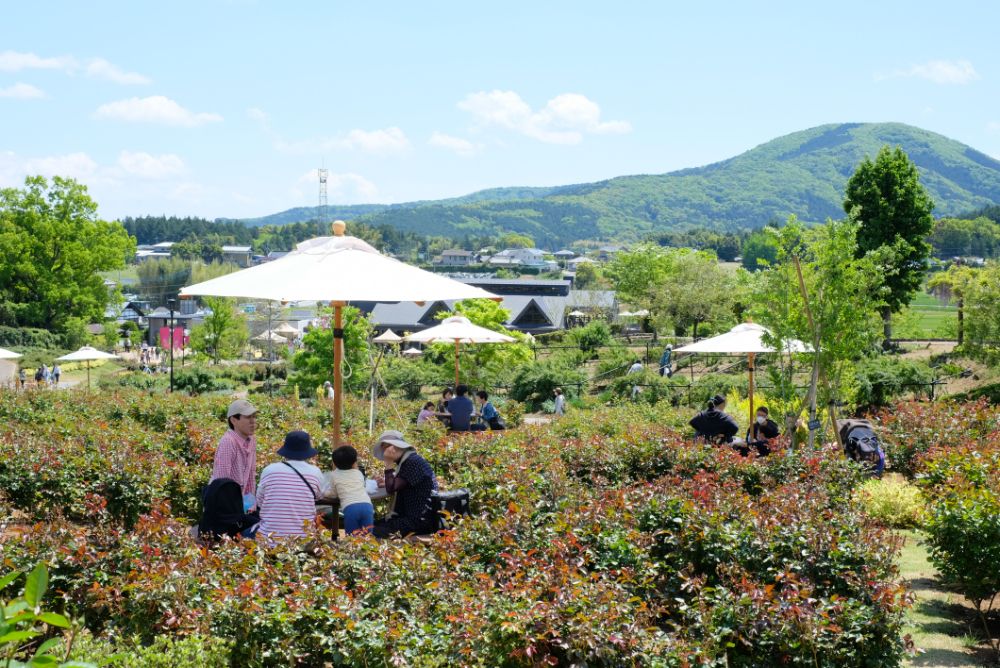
column 926, row 318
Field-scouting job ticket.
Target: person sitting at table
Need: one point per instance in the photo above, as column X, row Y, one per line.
column 713, row 424
column 488, row 413
column 410, row 481
column 426, row 413
column 347, row 484
column 762, row 432
column 288, row 490
column 462, row 411
column 442, row 407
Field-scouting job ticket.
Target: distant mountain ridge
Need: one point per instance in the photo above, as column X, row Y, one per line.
column 803, row 173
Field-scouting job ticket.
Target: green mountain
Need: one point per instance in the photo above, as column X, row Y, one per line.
column 803, row 173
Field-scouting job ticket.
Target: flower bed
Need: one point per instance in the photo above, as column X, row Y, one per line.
column 606, row 538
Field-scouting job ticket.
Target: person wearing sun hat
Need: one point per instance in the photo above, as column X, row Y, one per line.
column 288, row 489
column 410, row 481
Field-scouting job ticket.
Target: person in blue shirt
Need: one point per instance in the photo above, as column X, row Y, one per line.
column 462, row 410
column 488, row 412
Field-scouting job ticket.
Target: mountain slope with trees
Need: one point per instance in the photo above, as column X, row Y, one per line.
column 803, row 173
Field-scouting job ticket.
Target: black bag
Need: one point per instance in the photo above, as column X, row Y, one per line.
column 861, row 444
column 497, row 424
column 39, row 375
column 450, row 502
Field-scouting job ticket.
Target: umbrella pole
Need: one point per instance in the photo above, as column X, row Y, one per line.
column 750, row 428
column 88, row 374
column 456, row 363
column 338, row 379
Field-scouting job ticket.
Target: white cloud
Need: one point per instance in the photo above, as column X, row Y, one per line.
column 22, row 91
column 144, row 165
column 564, row 119
column 154, row 109
column 102, row 69
column 380, row 142
column 346, row 188
column 457, row 145
column 258, row 116
column 15, row 61
column 956, row 72
column 75, row 165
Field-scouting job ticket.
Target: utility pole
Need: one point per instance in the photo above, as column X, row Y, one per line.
column 172, row 305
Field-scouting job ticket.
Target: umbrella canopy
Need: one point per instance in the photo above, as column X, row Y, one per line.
column 270, row 335
column 576, row 314
column 338, row 270
column 457, row 329
column 8, row 354
column 413, row 352
column 388, row 336
column 286, row 330
column 86, row 354
column 746, row 338
column 742, row 339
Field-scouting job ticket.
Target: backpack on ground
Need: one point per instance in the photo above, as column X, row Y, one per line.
column 449, row 503
column 861, row 444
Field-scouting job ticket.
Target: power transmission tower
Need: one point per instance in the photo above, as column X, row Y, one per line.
column 323, row 176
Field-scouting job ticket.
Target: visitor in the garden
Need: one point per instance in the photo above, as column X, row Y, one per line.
column 713, row 424
column 426, row 413
column 488, row 413
column 461, row 409
column 411, row 481
column 328, row 389
column 347, row 483
column 632, row 370
column 289, row 489
column 224, row 512
column 22, row 376
column 666, row 368
column 442, row 407
column 56, row 373
column 236, row 456
column 762, row 432
column 559, row 404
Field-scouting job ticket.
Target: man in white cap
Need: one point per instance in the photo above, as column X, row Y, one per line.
column 236, row 456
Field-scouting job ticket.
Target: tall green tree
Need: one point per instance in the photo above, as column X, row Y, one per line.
column 313, row 364
column 52, row 248
column 894, row 212
column 636, row 273
column 760, row 249
column 982, row 312
column 223, row 333
column 694, row 290
column 950, row 285
column 161, row 279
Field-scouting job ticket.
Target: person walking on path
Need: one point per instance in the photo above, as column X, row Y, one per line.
column 236, row 456
column 56, row 372
column 559, row 407
column 22, row 376
column 632, row 370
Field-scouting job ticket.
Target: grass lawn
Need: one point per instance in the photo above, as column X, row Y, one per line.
column 926, row 317
column 939, row 621
column 78, row 377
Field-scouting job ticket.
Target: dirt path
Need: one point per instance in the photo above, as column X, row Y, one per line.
column 940, row 621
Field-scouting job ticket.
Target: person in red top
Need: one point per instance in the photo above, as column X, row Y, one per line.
column 236, row 456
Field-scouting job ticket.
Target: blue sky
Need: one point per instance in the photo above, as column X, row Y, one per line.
column 217, row 108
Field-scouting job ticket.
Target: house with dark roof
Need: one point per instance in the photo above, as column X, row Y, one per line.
column 457, row 257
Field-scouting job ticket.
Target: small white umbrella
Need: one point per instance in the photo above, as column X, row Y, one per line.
column 458, row 329
column 576, row 314
column 413, row 352
column 746, row 338
column 8, row 354
column 270, row 335
column 387, row 337
column 86, row 354
column 286, row 330
column 337, row 270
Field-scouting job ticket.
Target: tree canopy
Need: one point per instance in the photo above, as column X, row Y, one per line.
column 52, row 246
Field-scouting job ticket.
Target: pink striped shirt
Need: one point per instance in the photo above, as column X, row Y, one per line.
column 285, row 503
column 236, row 459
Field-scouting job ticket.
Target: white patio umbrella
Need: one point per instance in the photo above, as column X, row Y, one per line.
column 270, row 335
column 413, row 352
column 8, row 354
column 286, row 330
column 746, row 338
column 388, row 337
column 338, row 270
column 459, row 330
column 86, row 354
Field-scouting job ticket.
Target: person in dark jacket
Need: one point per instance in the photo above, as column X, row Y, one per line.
column 762, row 432
column 411, row 482
column 224, row 513
column 714, row 424
column 462, row 409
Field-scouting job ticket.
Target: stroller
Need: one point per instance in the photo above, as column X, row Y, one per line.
column 861, row 444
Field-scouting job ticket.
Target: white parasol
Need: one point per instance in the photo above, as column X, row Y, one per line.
column 86, row 354
column 8, row 354
column 457, row 329
column 388, row 337
column 338, row 270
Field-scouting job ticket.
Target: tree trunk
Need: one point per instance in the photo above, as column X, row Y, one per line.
column 961, row 320
column 695, row 332
column 886, row 328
